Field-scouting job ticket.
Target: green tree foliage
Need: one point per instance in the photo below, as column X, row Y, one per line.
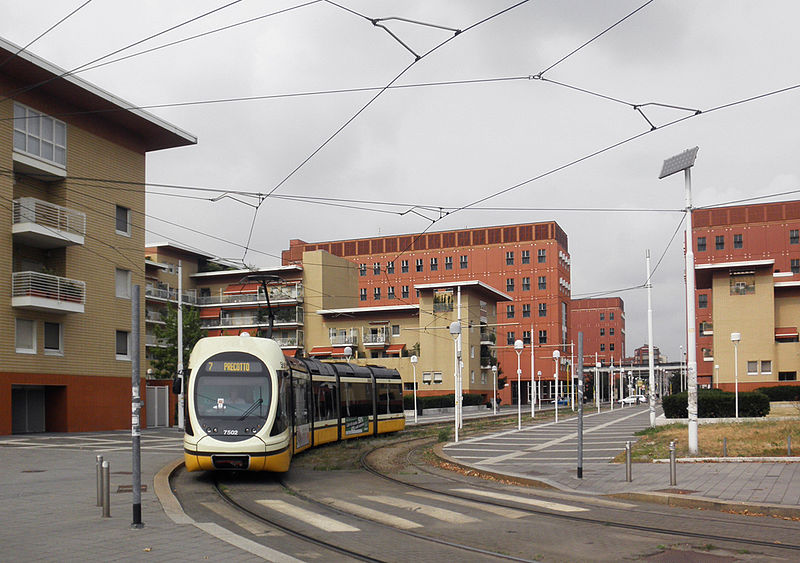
column 165, row 362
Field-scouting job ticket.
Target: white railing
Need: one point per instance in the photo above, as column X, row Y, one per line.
column 35, row 284
column 344, row 340
column 153, row 316
column 171, row 294
column 152, row 340
column 282, row 316
column 50, row 215
column 376, row 338
column 276, row 293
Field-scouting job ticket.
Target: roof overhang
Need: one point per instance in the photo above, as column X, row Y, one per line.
column 367, row 310
column 244, row 272
column 472, row 284
column 740, row 264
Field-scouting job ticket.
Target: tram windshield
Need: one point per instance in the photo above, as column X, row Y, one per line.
column 232, row 396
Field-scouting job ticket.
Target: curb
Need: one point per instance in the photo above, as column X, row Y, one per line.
column 169, row 502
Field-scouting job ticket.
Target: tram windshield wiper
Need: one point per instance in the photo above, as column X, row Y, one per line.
column 252, row 407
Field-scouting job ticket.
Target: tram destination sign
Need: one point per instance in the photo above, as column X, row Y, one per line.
column 234, row 367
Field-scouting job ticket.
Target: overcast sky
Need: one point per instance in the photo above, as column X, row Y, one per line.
column 451, row 145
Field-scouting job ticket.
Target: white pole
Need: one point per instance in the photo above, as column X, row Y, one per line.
column 736, row 371
column 556, row 355
column 181, row 422
column 459, row 412
column 572, row 372
column 611, row 384
column 494, row 390
column 691, row 335
column 652, row 381
column 519, row 393
column 539, row 389
column 533, row 378
column 414, row 367
column 596, row 385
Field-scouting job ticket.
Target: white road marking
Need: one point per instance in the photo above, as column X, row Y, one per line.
column 371, row 514
column 243, row 522
column 266, row 553
column 312, row 518
column 523, row 500
column 432, row 511
column 491, row 508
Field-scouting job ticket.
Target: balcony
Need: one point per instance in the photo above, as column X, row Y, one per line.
column 46, row 225
column 152, row 340
column 277, row 294
column 344, row 340
column 44, row 292
column 488, row 337
column 376, row 339
column 167, row 293
column 151, row 316
column 283, row 317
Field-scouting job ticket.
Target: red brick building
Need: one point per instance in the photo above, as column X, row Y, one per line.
column 602, row 322
column 529, row 262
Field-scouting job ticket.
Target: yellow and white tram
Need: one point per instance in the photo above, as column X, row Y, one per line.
column 249, row 407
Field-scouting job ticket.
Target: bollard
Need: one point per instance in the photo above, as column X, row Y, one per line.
column 724, row 447
column 628, row 476
column 789, row 445
column 673, row 463
column 99, row 475
column 106, row 490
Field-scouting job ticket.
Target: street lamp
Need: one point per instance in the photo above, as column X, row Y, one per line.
column 735, row 338
column 348, row 353
column 494, row 394
column 455, row 331
column 630, row 383
column 716, row 376
column 597, row 383
column 518, row 345
column 556, row 355
column 414, row 367
column 539, row 389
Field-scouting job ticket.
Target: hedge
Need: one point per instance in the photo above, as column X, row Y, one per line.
column 441, row 401
column 781, row 392
column 714, row 403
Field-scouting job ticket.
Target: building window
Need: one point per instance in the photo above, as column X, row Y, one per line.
column 766, row 366
column 526, row 310
column 719, row 242
column 362, row 269
column 794, row 236
column 602, row 332
column 526, row 337
column 510, row 284
column 737, row 241
column 706, row 328
column 395, row 330
column 526, row 256
column 434, row 264
column 390, row 292
column 363, row 292
column 463, row 262
column 376, row 268
column 40, row 135
column 123, row 283
column 708, row 355
column 611, row 347
column 611, row 316
column 123, row 221
column 541, row 256
column 795, row 266
column 509, row 258
column 419, row 264
column 701, row 244
column 752, row 367
column 602, row 316
column 526, row 284
column 448, row 262
column 404, row 266
column 510, row 338
column 404, row 292
column 26, row 336
column 510, row 311
column 542, row 282
column 702, row 301
column 123, row 345
column 742, row 283
column 787, row 376
column 542, row 309
column 611, row 331
column 602, row 347
column 53, row 343
column 390, row 267
column 542, row 337
column 376, row 293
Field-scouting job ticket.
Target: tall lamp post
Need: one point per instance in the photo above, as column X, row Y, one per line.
column 414, row 367
column 518, row 345
column 735, row 338
column 348, row 353
column 597, row 383
column 539, row 389
column 716, row 377
column 494, row 395
column 455, row 332
column 556, row 356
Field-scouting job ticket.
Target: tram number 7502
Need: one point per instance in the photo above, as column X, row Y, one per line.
column 227, row 432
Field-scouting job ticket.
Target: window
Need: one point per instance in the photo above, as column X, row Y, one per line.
column 752, row 368
column 611, row 331
column 404, row 266
column 395, row 330
column 787, row 376
column 542, row 282
column 376, row 268
column 510, row 338
column 702, row 301
column 611, row 316
column 463, row 262
column 794, row 236
column 611, row 347
column 542, row 309
column 602, row 332
column 602, row 316
column 526, row 310
column 26, row 336
column 434, row 264
column 376, row 293
column 390, row 292
column 40, row 135
column 448, row 262
column 390, row 267
column 123, row 283
column 742, row 283
column 510, row 311
column 52, row 339
column 701, row 244
column 542, row 337
column 541, row 256
column 509, row 258
column 526, row 284
column 123, row 345
column 602, row 347
column 795, row 266
column 526, row 256
column 719, row 242
column 419, row 264
column 708, row 355
column 766, row 366
column 706, row 328
column 123, row 221
column 526, row 337
column 363, row 292
column 404, row 292
column 510, row 284
column 362, row 269
column 737, row 241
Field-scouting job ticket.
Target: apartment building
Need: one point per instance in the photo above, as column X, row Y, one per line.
column 602, row 322
column 73, row 247
column 747, row 270
column 528, row 262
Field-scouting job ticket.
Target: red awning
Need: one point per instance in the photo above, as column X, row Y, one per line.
column 321, row 351
column 209, row 313
column 338, row 351
column 786, row 332
column 291, row 353
column 395, row 349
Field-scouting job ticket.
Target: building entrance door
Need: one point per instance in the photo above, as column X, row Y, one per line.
column 27, row 409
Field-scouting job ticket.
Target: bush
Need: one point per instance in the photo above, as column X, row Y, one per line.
column 714, row 403
column 781, row 392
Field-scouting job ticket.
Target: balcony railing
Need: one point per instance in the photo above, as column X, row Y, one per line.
column 282, row 317
column 46, row 225
column 152, row 340
column 153, row 316
column 276, row 293
column 344, row 340
column 45, row 292
column 488, row 336
column 170, row 294
column 379, row 339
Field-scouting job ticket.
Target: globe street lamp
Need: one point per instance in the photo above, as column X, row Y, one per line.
column 455, row 331
column 556, row 355
column 494, row 394
column 414, row 367
column 735, row 338
column 348, row 353
column 539, row 389
column 597, row 383
column 518, row 345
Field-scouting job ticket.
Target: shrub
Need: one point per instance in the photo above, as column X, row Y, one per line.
column 781, row 392
column 714, row 403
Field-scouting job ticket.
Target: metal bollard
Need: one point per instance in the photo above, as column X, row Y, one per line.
column 628, row 476
column 106, row 490
column 724, row 447
column 99, row 475
column 673, row 464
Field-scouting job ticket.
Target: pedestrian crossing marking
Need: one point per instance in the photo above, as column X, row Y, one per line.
column 243, row 522
column 475, row 505
column 442, row 514
column 311, row 518
column 524, row 500
column 370, row 514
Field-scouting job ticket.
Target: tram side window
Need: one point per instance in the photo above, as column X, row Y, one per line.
column 356, row 399
column 281, row 416
column 324, row 401
column 390, row 398
column 301, row 401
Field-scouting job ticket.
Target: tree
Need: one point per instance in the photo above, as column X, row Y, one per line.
column 165, row 359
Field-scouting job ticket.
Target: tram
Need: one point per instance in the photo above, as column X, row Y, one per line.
column 249, row 407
